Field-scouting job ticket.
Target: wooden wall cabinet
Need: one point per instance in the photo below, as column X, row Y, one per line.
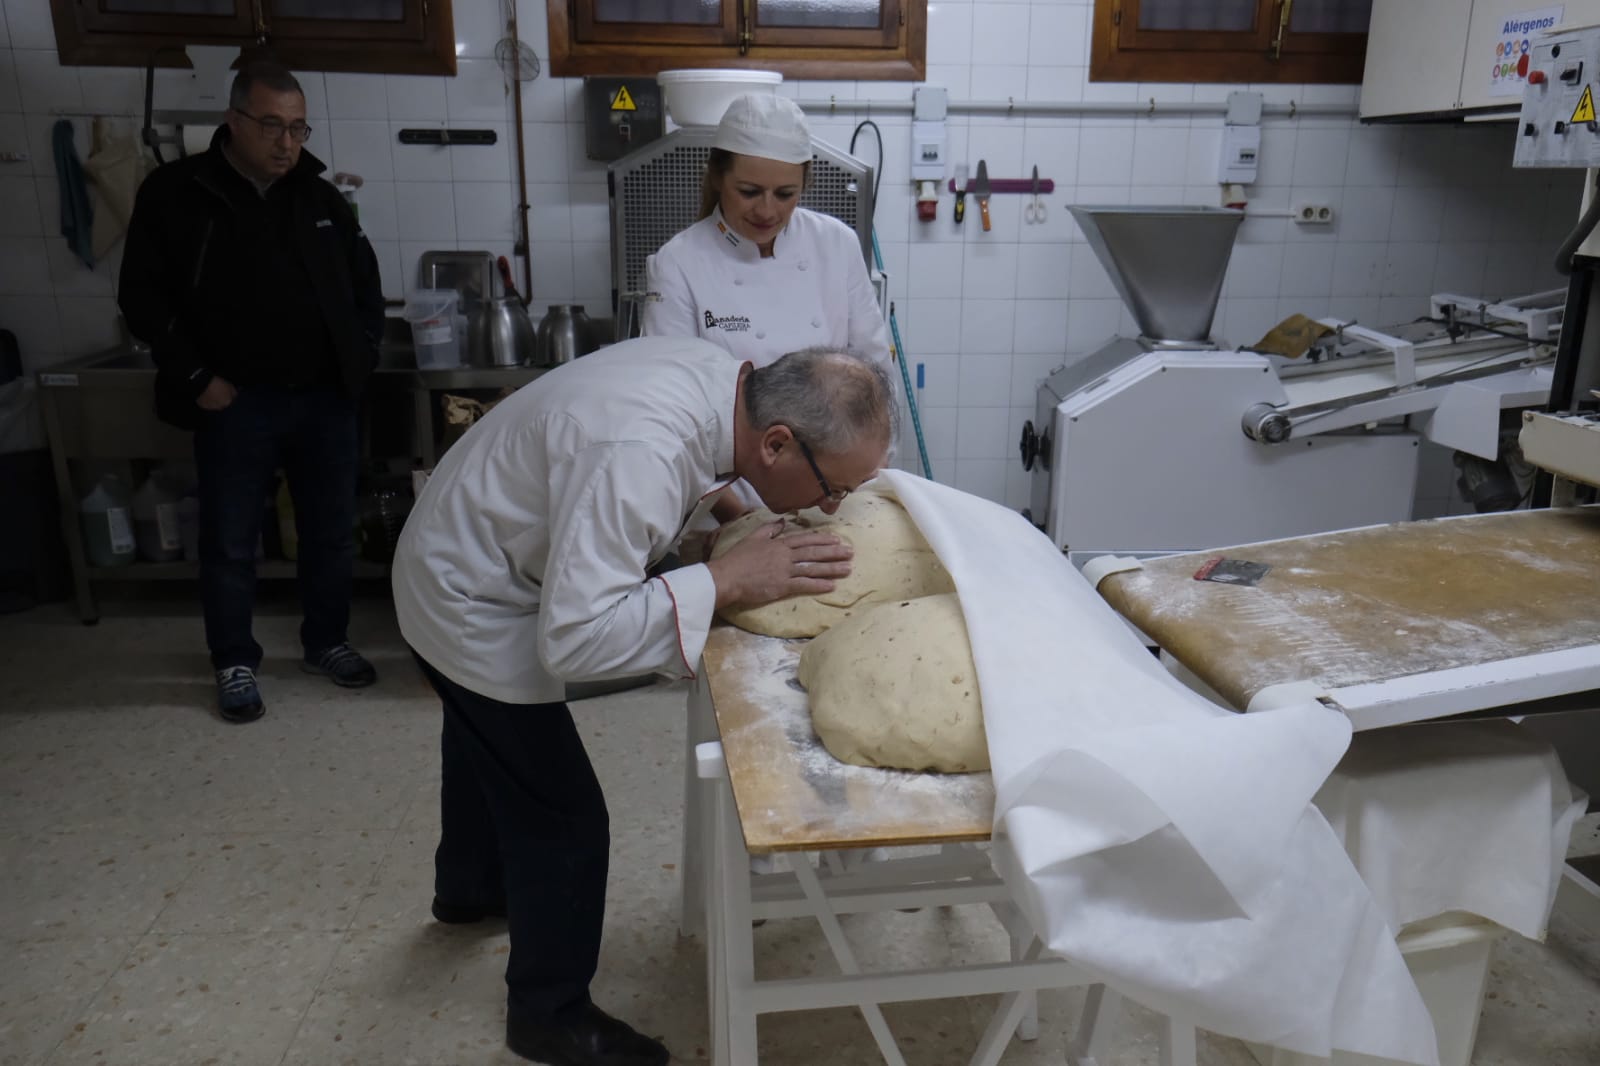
column 1436, row 58
column 880, row 40
column 364, row 36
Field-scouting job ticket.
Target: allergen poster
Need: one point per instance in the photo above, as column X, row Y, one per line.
column 1518, row 32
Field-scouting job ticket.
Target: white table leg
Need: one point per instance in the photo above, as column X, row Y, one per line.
column 716, row 976
column 1095, row 1030
column 700, row 727
column 1012, row 1012
column 1022, row 941
column 736, row 957
column 1177, row 1043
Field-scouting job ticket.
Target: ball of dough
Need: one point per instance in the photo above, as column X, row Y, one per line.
column 892, row 562
column 895, row 686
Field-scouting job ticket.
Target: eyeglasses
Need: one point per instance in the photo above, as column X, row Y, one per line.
column 273, row 128
column 833, row 495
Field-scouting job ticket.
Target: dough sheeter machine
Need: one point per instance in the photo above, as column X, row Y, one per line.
column 1167, row 442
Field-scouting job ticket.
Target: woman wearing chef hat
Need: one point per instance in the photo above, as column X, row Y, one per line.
column 760, row 275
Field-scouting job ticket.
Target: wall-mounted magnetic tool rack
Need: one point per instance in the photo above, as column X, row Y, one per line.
column 448, row 136
column 1006, row 185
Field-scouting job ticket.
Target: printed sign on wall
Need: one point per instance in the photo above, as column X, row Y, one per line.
column 1517, row 33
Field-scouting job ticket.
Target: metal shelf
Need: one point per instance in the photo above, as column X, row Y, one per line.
column 176, row 571
column 97, row 407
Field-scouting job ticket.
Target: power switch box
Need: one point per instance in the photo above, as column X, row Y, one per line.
column 619, row 115
column 1241, row 149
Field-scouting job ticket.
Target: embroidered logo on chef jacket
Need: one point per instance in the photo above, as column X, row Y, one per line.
column 728, row 234
column 728, row 323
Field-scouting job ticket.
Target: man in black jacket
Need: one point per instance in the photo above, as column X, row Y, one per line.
column 259, row 295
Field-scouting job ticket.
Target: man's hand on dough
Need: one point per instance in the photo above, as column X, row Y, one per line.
column 769, row 565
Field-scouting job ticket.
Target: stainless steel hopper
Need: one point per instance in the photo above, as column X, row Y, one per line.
column 1166, row 262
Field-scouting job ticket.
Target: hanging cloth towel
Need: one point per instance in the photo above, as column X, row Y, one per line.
column 116, row 165
column 77, row 217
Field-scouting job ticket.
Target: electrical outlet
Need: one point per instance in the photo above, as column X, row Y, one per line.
column 1312, row 214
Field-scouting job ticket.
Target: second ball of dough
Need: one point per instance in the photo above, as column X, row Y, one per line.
column 896, row 686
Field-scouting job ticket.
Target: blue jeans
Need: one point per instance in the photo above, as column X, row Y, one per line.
column 312, row 435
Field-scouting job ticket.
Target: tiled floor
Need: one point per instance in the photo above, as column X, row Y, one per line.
column 180, row 891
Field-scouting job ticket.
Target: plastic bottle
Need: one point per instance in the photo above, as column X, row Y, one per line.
column 155, row 520
column 106, row 514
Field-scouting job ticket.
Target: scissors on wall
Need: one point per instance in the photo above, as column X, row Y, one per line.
column 1035, row 212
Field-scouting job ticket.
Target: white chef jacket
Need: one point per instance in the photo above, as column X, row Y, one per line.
column 814, row 291
column 523, row 563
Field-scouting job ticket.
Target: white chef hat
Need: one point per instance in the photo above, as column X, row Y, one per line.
column 765, row 125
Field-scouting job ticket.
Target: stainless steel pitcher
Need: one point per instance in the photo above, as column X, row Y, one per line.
column 506, row 331
column 564, row 333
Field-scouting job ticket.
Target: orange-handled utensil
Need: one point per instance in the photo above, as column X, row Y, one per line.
column 980, row 189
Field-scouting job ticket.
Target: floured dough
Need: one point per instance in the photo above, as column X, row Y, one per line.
column 892, row 561
column 895, row 686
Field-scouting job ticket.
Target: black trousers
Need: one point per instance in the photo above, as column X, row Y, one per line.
column 313, row 435
column 524, row 821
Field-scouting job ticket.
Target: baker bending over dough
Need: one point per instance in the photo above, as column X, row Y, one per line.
column 523, row 565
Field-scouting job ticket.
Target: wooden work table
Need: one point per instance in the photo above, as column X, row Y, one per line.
column 792, row 795
column 1497, row 608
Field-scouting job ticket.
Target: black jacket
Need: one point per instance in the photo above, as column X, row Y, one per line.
column 188, row 248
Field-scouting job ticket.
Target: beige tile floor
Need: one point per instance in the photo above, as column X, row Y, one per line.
column 180, row 891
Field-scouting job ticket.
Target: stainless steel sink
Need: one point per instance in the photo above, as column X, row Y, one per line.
column 118, row 359
column 122, row 360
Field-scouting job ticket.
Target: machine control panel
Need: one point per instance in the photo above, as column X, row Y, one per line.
column 1558, row 125
column 1567, row 444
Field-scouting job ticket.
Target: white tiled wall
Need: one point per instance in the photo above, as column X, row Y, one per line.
column 1419, row 209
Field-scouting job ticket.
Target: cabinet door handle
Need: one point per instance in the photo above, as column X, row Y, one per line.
column 1283, row 27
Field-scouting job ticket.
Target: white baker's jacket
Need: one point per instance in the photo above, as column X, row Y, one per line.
column 813, row 291
column 523, row 563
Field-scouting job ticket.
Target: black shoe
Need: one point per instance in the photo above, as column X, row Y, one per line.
column 238, row 696
column 465, row 913
column 583, row 1035
column 342, row 663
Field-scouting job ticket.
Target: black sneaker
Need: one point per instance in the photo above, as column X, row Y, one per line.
column 343, row 664
column 238, row 695
column 583, row 1035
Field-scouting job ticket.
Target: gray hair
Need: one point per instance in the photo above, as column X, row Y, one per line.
column 829, row 398
column 273, row 75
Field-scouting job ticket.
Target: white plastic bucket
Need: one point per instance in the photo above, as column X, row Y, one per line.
column 1448, row 955
column 699, row 97
column 435, row 329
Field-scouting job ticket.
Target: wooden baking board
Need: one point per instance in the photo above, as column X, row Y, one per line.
column 794, row 796
column 1371, row 605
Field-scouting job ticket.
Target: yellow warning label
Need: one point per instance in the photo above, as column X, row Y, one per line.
column 1584, row 112
column 624, row 102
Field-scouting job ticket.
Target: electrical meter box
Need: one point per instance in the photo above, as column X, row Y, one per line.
column 620, row 114
column 1558, row 125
